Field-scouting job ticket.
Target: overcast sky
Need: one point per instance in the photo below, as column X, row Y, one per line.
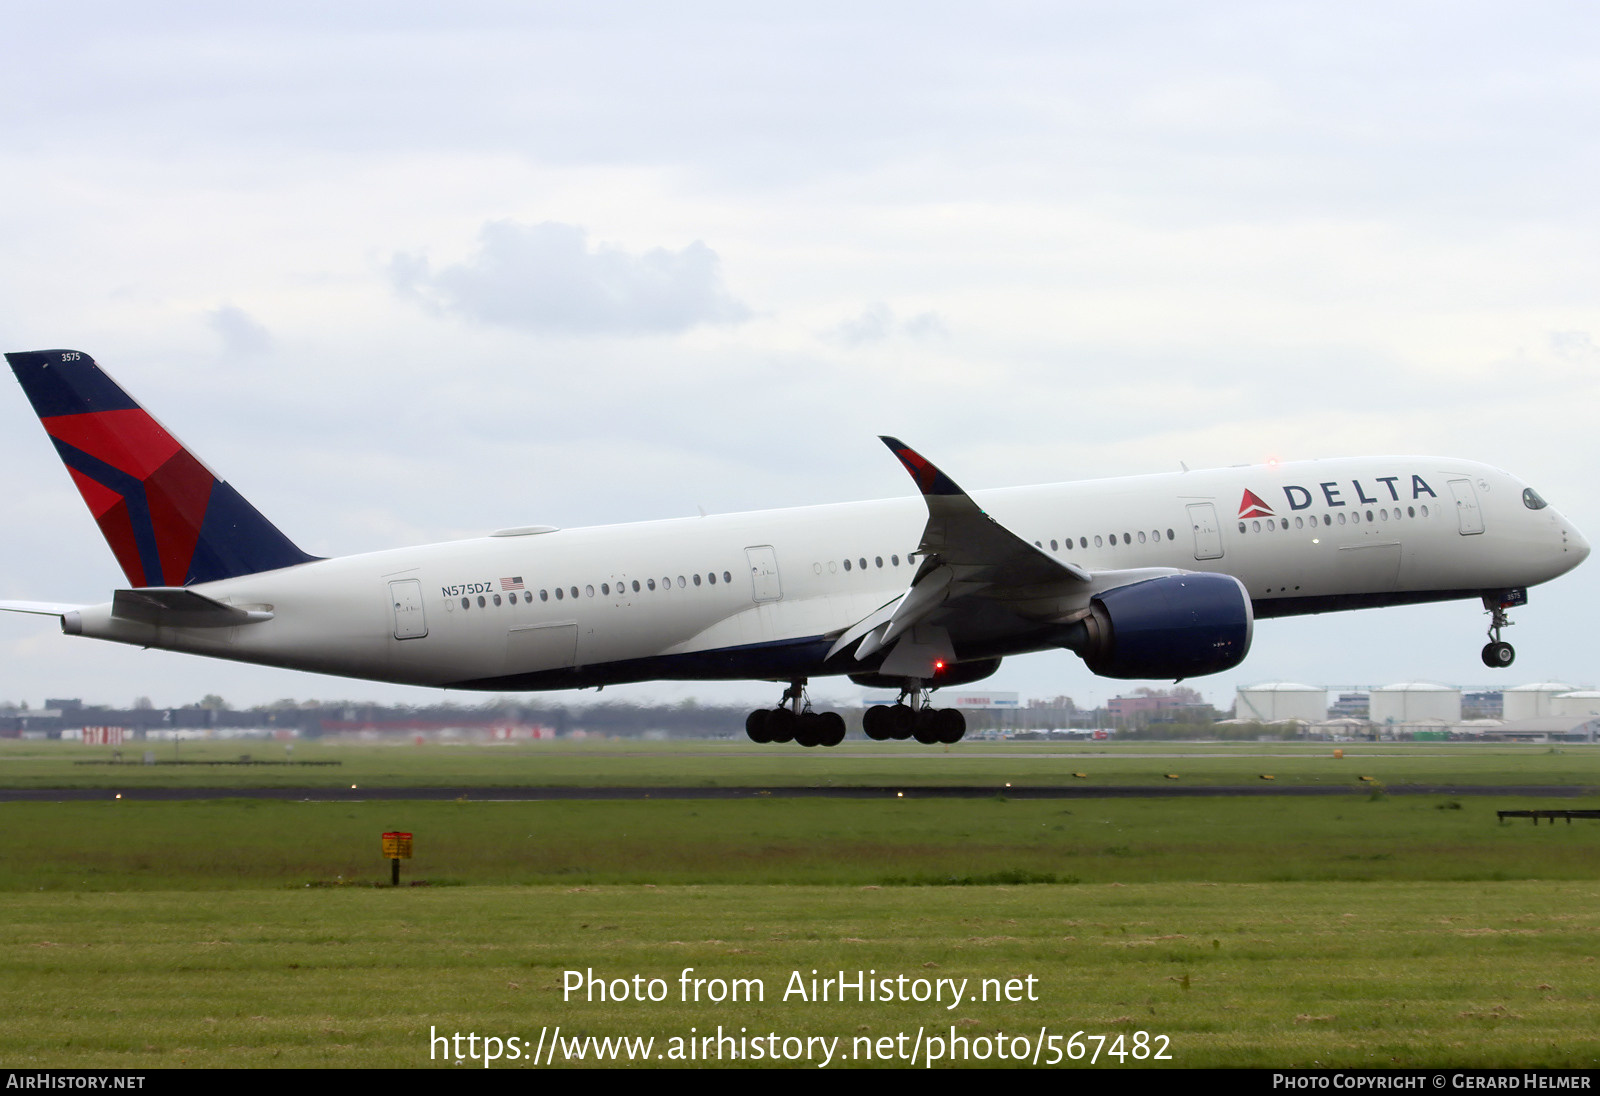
column 405, row 273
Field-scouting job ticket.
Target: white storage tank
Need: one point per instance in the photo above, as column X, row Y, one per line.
column 1579, row 702
column 1531, row 701
column 1281, row 700
column 1415, row 700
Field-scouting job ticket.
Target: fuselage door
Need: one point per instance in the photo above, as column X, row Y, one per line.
column 406, row 597
column 1207, row 532
column 1467, row 511
column 764, row 573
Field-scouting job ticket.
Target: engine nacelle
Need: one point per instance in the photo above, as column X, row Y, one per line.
column 1172, row 627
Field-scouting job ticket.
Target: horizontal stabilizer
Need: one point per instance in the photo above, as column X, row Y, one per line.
column 40, row 608
column 175, row 607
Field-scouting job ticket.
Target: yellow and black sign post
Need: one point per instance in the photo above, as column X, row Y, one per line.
column 397, row 847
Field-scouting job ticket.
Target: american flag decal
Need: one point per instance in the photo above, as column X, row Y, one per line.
column 511, row 583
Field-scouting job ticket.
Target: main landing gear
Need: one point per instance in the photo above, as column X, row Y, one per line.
column 1497, row 654
column 909, row 717
column 901, row 720
column 794, row 721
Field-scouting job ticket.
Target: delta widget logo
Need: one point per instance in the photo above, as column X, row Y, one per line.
column 1251, row 506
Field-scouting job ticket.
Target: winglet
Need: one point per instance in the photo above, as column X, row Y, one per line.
column 929, row 480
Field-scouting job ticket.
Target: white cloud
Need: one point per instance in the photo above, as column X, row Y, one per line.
column 548, row 278
column 877, row 322
column 241, row 333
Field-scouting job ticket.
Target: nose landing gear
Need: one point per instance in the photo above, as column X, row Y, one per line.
column 1498, row 654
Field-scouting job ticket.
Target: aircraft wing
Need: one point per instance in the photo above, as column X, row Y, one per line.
column 966, row 557
column 959, row 534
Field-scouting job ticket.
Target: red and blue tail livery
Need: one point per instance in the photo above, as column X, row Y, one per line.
column 167, row 518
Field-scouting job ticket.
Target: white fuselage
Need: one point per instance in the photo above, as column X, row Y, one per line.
column 761, row 595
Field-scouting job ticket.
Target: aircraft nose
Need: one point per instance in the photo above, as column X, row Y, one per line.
column 1574, row 542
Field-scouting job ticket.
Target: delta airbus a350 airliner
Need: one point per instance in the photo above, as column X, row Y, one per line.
column 1157, row 576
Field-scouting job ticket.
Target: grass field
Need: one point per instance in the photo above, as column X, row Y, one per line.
column 1283, row 974
column 740, row 763
column 239, row 843
column 1368, row 929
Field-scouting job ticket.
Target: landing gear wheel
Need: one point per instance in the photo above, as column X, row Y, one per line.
column 877, row 723
column 832, row 725
column 781, row 725
column 899, row 722
column 1498, row 655
column 950, row 724
column 808, row 729
column 925, row 728
column 755, row 725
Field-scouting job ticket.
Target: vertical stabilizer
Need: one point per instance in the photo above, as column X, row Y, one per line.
column 167, row 518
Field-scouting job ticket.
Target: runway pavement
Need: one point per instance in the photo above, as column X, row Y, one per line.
column 962, row 791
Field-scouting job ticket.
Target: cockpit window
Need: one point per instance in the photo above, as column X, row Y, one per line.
column 1531, row 499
